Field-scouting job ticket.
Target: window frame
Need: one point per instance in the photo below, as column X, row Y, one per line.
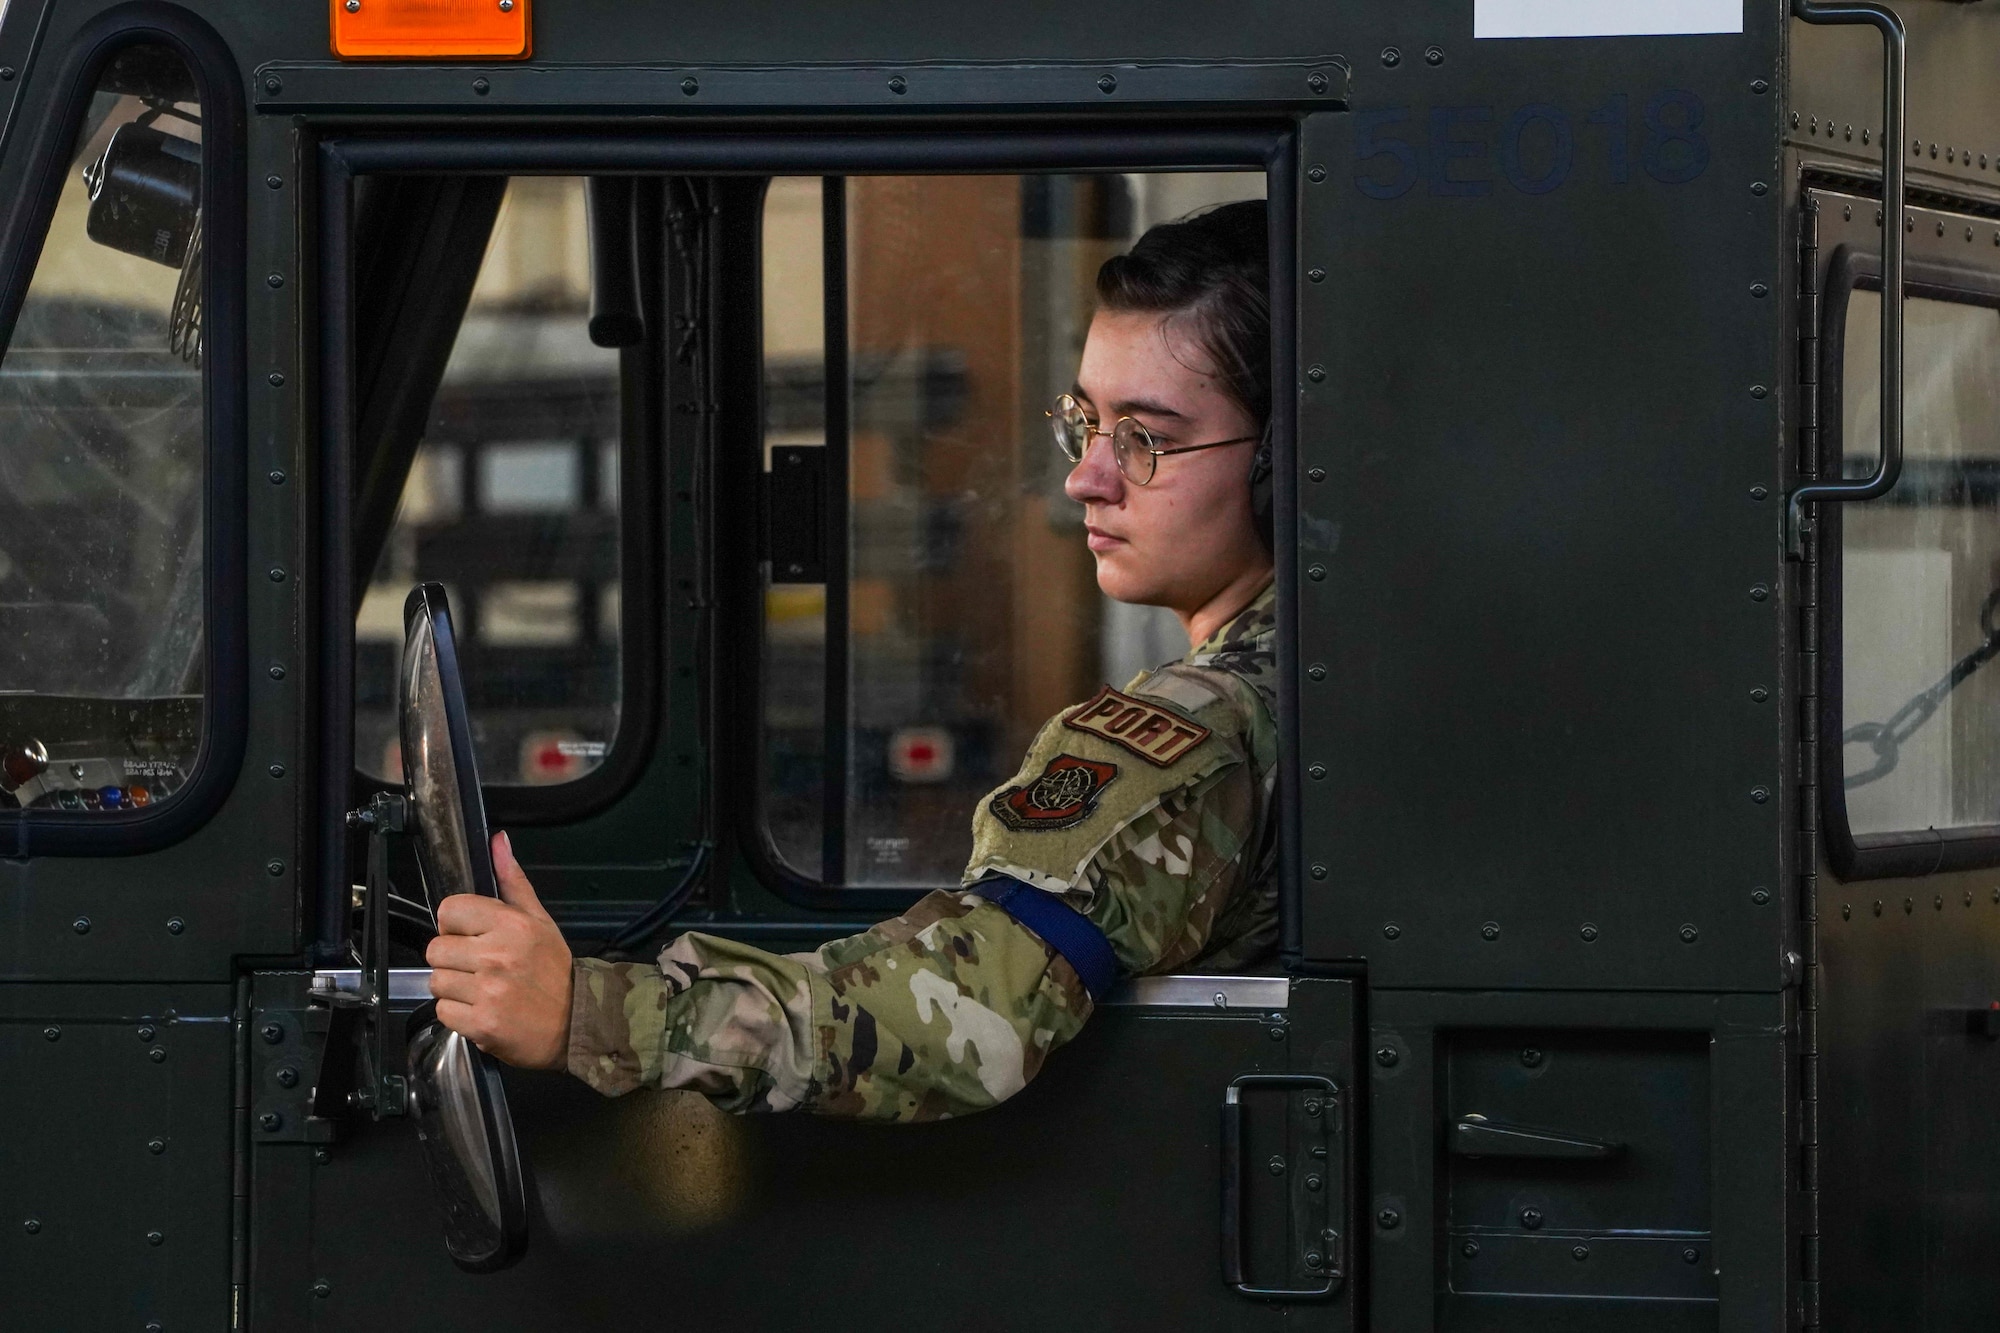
column 225, row 650
column 1903, row 853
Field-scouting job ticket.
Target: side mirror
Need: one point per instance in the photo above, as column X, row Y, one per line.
column 454, row 1088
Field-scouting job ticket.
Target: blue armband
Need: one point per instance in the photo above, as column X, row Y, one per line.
column 1060, row 926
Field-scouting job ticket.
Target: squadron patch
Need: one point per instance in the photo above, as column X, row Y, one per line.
column 1062, row 797
column 1157, row 735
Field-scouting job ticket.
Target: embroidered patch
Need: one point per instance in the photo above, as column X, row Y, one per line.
column 1157, row 735
column 1062, row 797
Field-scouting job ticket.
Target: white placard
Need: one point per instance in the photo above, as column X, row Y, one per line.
column 1603, row 18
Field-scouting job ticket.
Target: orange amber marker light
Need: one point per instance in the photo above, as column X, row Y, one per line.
column 430, row 29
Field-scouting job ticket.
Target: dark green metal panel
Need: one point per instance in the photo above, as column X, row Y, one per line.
column 115, row 1160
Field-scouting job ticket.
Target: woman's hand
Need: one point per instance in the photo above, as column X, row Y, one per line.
column 501, row 970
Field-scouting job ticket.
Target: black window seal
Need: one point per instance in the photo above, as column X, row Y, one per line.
column 1905, row 853
column 739, row 449
column 225, row 651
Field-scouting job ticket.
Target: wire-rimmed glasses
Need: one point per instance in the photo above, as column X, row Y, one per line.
column 1132, row 445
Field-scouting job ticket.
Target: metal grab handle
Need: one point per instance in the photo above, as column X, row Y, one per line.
column 1476, row 1136
column 1890, row 466
column 1232, row 1183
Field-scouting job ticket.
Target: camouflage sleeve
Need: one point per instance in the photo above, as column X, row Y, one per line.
column 945, row 1010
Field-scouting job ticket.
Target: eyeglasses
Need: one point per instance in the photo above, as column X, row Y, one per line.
column 1132, row 444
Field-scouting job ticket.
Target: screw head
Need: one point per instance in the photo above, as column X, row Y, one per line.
column 272, row 1033
column 1386, row 1056
column 1689, row 934
column 145, row 1032
column 1490, row 931
column 274, row 868
column 898, row 84
column 1759, row 290
column 274, row 85
column 353, row 6
column 1314, row 1183
column 1276, row 1165
column 1588, row 932
column 1759, row 694
column 275, row 477
column 1760, row 86
column 1847, row 911
column 690, row 86
column 1318, row 871
column 81, row 925
column 1760, row 794
column 276, row 574
column 275, row 182
column 1759, row 391
column 506, row 6
column 1388, row 1219
column 1470, row 1249
column 274, row 280
column 322, row 1289
column 1316, row 173
column 52, row 1033
column 288, row 1077
column 277, row 380
column 32, row 1226
column 322, row 1156
column 1690, row 1256
column 155, row 1238
column 1531, row 1056
column 1316, row 573
column 1315, row 275
column 1316, row 772
column 156, row 1146
column 1106, row 84
column 481, row 87
column 6, row 73
column 1433, row 55
column 1314, row 1258
column 270, row 1122
column 275, row 671
column 1760, row 896
column 276, row 770
column 1391, row 931
column 1316, row 474
column 1391, row 57
column 1316, row 81
column 1317, row 671
column 1759, row 593
column 175, row 925
column 1579, row 1252
column 1312, row 1106
column 157, row 1055
column 1531, row 1218
column 1315, row 373
column 1759, row 189
column 1759, row 492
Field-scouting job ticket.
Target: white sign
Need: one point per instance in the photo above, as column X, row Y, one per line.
column 1603, row 18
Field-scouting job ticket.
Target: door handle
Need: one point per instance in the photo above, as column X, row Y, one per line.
column 1476, row 1136
column 1890, row 465
column 1232, row 1184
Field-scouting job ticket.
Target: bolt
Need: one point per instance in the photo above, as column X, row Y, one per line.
column 32, row 1226
column 1759, row 391
column 157, row 1055
column 1759, row 694
column 1316, row 573
column 270, row 1122
column 1391, row 931
column 1760, row 794
column 288, row 1077
column 175, row 925
column 1276, row 1033
column 274, row 868
column 1531, row 1218
column 1318, row 871
column 1386, row 1057
column 81, row 925
column 272, row 1033
column 155, row 1238
column 145, row 1032
column 1316, row 772
column 276, row 574
column 1276, row 1165
column 481, row 87
column 322, row 1289
column 51, row 1033
column 1758, row 592
column 1760, row 896
column 1317, row 671
column 1313, row 1183
column 1314, row 1258
column 6, row 73
column 1315, row 373
column 1689, row 934
column 274, row 280
column 1490, row 931
column 1433, row 56
column 506, row 6
column 1106, row 84
column 1312, row 1106
column 275, row 477
column 1690, row 1256
column 1588, row 932
column 277, row 380
column 1315, row 173
column 898, row 84
column 353, row 6
column 1758, row 289
column 322, row 1156
column 156, row 1146
column 1579, row 1252
column 1388, row 1219
column 1316, row 474
column 690, row 86
column 276, row 770
column 276, row 672
column 1316, row 81
column 274, row 85
column 1531, row 1056
column 1759, row 189
column 1315, row 275
column 1391, row 57
column 1470, row 1249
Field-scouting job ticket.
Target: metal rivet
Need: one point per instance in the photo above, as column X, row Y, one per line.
column 275, row 182
column 690, row 86
column 1391, row 57
column 272, row 1033
column 1909, row 224
column 1275, row 1033
column 1760, row 896
column 1758, row 592
column 1690, row 1256
column 275, row 477
column 1939, row 903
column 51, row 1033
column 1812, row 125
column 1968, row 897
column 1314, row 1184
column 1760, row 794
column 1759, row 86
column 1909, row 906
column 1878, row 907
column 6, row 73
column 1588, row 932
column 156, row 1146
column 270, row 1122
column 32, row 1226
column 1933, row 150
column 1531, row 1218
column 1470, row 1249
column 1795, row 120
column 354, row 6
column 1316, row 671
column 1318, row 871
column 81, row 925
column 276, row 574
column 1864, row 136
column 276, row 770
column 322, row 1156
column 155, row 1238
column 1689, row 934
column 1392, row 931
column 1386, row 1056
column 1316, row 573
column 1276, row 1165
column 1106, row 84
column 1759, row 290
column 322, row 1288
column 1940, row 228
column 274, row 868
column 1389, row 1219
column 1490, row 931
column 1847, row 911
column 1759, row 694
column 898, row 84
column 1315, row 373
column 1315, row 275
column 157, row 1055
column 1316, row 81
column 288, row 1077
column 277, row 380
column 1759, row 493
column 1315, row 474
column 1579, row 1252
column 1316, row 772
column 1315, row 173
column 1847, row 212
column 274, row 280
column 1314, row 1258
column 1433, row 55
column 175, row 925
column 1759, row 391
column 274, row 85
column 1531, row 1056
column 275, row 671
column 1759, row 188
column 145, row 1032
column 481, row 87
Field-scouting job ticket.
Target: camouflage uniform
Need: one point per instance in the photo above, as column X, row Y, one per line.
column 1148, row 810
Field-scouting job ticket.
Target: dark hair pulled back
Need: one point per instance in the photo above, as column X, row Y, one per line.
column 1214, row 268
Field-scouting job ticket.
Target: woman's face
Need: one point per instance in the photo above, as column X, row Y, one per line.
column 1188, row 534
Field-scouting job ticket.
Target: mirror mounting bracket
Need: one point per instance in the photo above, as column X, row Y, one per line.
column 377, row 1089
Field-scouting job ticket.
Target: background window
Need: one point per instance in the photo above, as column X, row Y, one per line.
column 101, row 463
column 969, row 611
column 1920, row 575
column 512, row 504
